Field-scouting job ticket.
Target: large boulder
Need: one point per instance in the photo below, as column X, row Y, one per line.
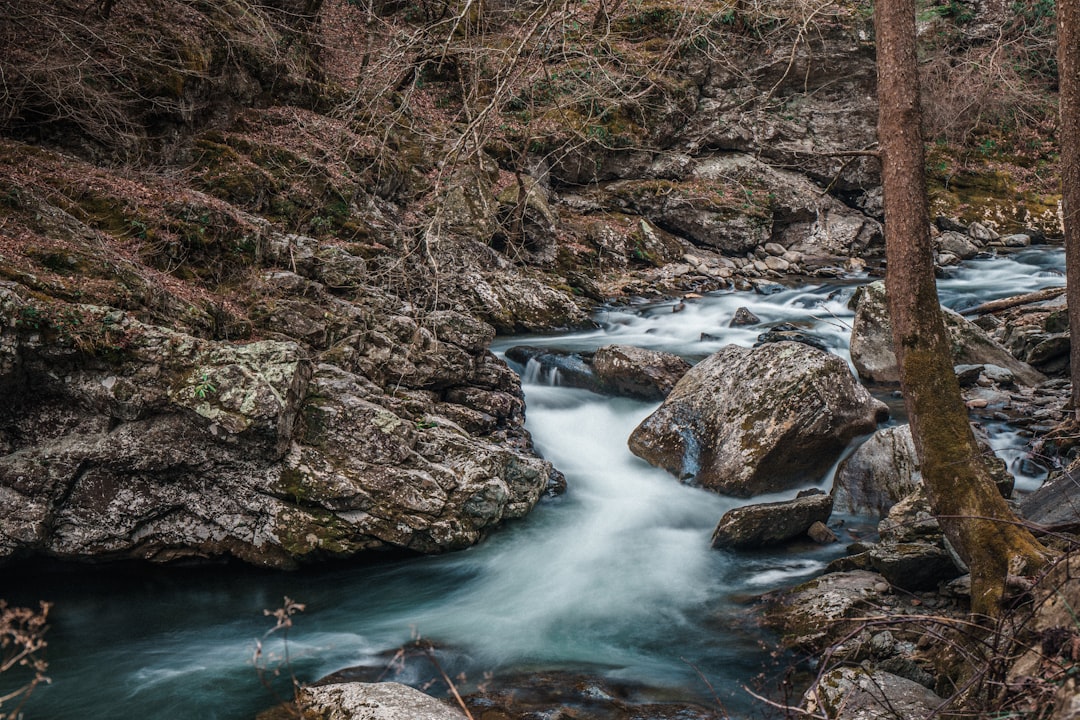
column 755, row 526
column 871, row 342
column 125, row 440
column 885, row 469
column 630, row 371
column 372, row 701
column 750, row 421
column 622, row 370
column 1055, row 506
column 880, row 472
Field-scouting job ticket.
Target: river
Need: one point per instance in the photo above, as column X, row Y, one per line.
column 615, row 578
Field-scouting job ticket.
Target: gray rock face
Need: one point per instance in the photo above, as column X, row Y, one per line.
column 880, row 472
column 833, row 82
column 957, row 244
column 126, row 440
column 372, row 701
column 913, row 566
column 808, row 221
column 754, row 526
column 910, row 521
column 743, row 317
column 885, row 469
column 912, row 553
column 622, row 370
column 871, row 342
column 809, row 615
column 1056, row 505
column 1037, row 333
column 744, row 422
column 854, row 693
column 631, row 371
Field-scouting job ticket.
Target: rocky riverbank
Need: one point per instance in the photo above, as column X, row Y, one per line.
column 252, row 259
column 296, row 301
column 886, row 630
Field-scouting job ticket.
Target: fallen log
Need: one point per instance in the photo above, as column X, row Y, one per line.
column 1014, row 301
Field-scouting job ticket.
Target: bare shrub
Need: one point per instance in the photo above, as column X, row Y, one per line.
column 122, row 78
column 981, row 74
column 22, row 647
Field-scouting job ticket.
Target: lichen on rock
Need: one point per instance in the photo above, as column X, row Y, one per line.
column 749, row 421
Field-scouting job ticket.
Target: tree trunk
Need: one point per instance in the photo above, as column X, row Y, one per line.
column 972, row 513
column 1068, row 37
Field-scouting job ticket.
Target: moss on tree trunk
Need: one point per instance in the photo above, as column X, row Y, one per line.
column 972, row 513
column 1068, row 30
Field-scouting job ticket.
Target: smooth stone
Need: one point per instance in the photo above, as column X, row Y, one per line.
column 820, row 533
column 1055, row 506
column 957, row 244
column 749, row 421
column 743, row 317
column 756, row 526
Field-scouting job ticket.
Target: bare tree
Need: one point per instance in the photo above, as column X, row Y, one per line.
column 1068, row 31
column 974, row 517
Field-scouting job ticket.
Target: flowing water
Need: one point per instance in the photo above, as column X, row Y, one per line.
column 615, row 578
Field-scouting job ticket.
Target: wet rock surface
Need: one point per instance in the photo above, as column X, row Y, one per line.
column 761, row 525
column 562, row 694
column 871, row 342
column 621, row 370
column 743, row 422
column 126, row 440
column 885, row 469
column 524, row 695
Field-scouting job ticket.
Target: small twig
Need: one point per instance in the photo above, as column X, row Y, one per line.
column 781, row 706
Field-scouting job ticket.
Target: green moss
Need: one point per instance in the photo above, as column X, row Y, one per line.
column 299, row 486
column 315, row 531
column 316, row 416
column 102, row 212
column 988, row 196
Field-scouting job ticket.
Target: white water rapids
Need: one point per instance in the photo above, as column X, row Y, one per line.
column 616, row 578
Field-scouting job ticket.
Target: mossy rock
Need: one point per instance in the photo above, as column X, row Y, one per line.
column 992, row 198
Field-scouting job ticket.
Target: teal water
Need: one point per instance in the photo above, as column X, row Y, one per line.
column 615, row 578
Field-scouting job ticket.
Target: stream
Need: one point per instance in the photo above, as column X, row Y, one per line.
column 615, row 578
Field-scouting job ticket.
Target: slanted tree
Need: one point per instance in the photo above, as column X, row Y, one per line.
column 973, row 515
column 1068, row 36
